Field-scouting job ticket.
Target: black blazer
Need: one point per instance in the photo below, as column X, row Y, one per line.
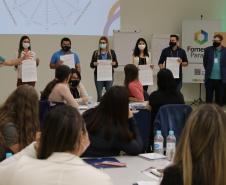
column 208, row 60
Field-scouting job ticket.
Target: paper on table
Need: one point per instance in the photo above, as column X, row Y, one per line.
column 104, row 70
column 152, row 156
column 145, row 75
column 147, row 183
column 29, row 71
column 173, row 65
column 68, row 60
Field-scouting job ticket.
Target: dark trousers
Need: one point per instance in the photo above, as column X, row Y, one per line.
column 214, row 87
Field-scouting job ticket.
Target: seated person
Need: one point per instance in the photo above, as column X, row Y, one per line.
column 111, row 126
column 166, row 92
column 18, row 120
column 77, row 88
column 63, row 139
column 133, row 84
column 58, row 89
column 200, row 155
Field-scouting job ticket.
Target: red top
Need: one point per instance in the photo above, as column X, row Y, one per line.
column 136, row 90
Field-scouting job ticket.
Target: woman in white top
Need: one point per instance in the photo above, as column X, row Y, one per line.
column 58, row 90
column 63, row 139
column 25, row 49
column 141, row 55
column 77, row 89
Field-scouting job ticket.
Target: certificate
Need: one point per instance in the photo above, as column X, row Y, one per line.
column 173, row 65
column 104, row 70
column 68, row 60
column 29, row 71
column 145, row 75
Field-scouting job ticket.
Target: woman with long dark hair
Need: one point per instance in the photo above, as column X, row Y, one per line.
column 142, row 56
column 62, row 140
column 111, row 126
column 18, row 120
column 58, row 90
column 23, row 50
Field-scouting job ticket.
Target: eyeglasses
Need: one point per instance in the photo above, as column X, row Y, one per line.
column 103, row 43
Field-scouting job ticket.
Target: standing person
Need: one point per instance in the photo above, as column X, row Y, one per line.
column 174, row 51
column 200, row 155
column 214, row 62
column 141, row 56
column 18, row 120
column 65, row 50
column 25, row 49
column 103, row 53
column 111, row 126
column 133, row 84
column 62, row 141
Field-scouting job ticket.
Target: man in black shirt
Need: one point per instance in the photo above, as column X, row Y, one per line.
column 174, row 51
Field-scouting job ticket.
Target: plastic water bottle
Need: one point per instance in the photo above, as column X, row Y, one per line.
column 170, row 145
column 158, row 142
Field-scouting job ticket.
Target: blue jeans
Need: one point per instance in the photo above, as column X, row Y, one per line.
column 100, row 85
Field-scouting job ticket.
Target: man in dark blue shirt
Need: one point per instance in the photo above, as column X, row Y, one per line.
column 174, row 51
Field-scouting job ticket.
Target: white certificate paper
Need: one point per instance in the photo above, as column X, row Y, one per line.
column 29, row 71
column 104, row 70
column 145, row 75
column 173, row 65
column 68, row 60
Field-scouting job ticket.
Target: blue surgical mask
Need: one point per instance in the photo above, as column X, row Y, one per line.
column 103, row 46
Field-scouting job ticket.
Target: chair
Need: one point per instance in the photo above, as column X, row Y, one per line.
column 171, row 117
column 143, row 119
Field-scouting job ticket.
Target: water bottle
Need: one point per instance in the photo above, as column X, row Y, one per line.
column 158, row 142
column 170, row 145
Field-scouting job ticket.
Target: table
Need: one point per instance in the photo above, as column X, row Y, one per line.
column 133, row 172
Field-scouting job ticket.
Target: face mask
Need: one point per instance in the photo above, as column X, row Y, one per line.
column 216, row 44
column 141, row 46
column 103, row 46
column 66, row 48
column 26, row 45
column 74, row 83
column 172, row 44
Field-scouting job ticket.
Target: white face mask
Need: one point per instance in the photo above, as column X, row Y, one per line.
column 26, row 45
column 103, row 46
column 141, row 46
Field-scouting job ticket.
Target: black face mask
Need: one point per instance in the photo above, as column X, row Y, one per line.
column 66, row 48
column 216, row 44
column 74, row 83
column 172, row 44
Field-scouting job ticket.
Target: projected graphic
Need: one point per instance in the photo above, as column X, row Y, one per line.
column 76, row 17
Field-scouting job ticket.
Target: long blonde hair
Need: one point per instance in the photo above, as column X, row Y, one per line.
column 201, row 152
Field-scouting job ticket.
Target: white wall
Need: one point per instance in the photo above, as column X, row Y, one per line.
column 149, row 16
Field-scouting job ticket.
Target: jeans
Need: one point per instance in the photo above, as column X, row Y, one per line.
column 100, row 85
column 214, row 87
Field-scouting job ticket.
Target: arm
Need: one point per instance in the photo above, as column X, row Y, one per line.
column 162, row 60
column 205, row 59
column 184, row 60
column 83, row 94
column 114, row 59
column 77, row 62
column 66, row 94
column 55, row 62
column 37, row 61
column 93, row 62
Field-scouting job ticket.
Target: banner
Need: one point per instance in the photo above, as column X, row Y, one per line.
column 196, row 36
